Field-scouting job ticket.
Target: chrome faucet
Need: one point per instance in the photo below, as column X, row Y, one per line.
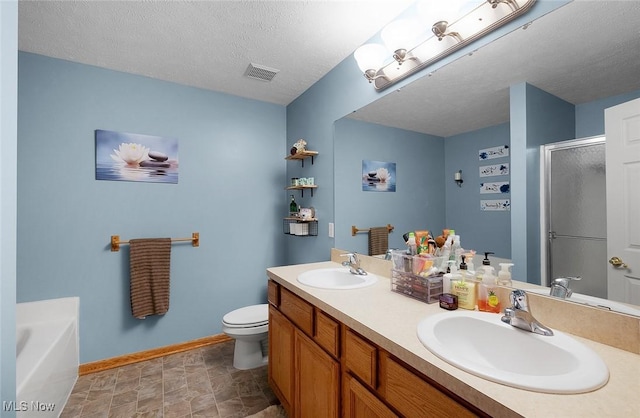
column 519, row 315
column 560, row 287
column 353, row 262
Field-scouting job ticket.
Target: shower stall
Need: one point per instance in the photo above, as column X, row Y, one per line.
column 573, row 208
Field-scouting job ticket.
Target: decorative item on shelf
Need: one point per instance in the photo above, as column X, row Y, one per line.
column 299, row 146
column 408, row 49
column 293, row 207
column 307, row 213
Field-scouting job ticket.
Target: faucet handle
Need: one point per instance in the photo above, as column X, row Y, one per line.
column 560, row 286
column 519, row 300
column 352, row 258
column 564, row 281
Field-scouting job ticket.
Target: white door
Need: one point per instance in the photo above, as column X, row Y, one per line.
column 622, row 130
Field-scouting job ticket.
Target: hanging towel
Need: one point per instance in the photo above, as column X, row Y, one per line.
column 378, row 240
column 150, row 261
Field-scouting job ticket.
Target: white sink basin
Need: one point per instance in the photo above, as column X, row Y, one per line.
column 336, row 278
column 481, row 344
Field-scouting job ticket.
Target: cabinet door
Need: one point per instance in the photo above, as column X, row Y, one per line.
column 317, row 386
column 281, row 365
column 412, row 396
column 358, row 402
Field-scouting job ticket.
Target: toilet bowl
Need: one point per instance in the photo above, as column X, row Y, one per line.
column 249, row 326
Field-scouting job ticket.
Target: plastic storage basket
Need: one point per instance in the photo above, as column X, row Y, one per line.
column 417, row 277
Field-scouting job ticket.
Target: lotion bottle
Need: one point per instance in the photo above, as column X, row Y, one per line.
column 465, row 290
column 488, row 300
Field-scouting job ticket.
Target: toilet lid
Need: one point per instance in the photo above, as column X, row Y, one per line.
column 249, row 315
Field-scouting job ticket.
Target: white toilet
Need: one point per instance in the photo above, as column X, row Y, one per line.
column 249, row 326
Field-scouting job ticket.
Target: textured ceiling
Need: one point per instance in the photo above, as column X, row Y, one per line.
column 207, row 44
column 583, row 51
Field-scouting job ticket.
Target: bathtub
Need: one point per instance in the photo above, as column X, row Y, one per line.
column 46, row 356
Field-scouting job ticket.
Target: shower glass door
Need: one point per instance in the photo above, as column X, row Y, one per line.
column 576, row 214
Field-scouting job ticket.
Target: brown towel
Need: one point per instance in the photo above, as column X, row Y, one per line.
column 378, row 240
column 150, row 261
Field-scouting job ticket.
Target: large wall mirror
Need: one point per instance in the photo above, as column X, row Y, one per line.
column 583, row 55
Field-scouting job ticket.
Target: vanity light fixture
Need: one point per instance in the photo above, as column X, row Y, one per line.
column 457, row 177
column 450, row 28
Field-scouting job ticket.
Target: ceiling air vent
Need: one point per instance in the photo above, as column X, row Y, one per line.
column 260, row 72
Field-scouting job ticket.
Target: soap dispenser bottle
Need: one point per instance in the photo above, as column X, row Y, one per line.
column 488, row 300
column 485, row 262
column 464, row 289
column 504, row 275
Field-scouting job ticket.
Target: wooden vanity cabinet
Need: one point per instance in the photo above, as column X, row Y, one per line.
column 320, row 368
column 375, row 384
column 303, row 368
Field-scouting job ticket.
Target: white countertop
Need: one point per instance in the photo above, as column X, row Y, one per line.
column 390, row 320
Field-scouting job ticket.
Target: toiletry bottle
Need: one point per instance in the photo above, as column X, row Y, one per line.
column 465, row 290
column 504, row 275
column 485, row 262
column 293, row 206
column 488, row 300
column 469, row 260
column 446, row 279
column 411, row 242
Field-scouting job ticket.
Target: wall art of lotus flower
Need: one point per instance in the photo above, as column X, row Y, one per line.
column 135, row 157
column 378, row 176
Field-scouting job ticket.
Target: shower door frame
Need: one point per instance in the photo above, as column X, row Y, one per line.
column 545, row 195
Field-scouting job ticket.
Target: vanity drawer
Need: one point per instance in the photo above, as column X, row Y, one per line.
column 327, row 333
column 273, row 293
column 412, row 396
column 361, row 358
column 297, row 310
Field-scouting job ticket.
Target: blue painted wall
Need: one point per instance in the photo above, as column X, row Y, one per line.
column 537, row 118
column 231, row 165
column 8, row 192
column 590, row 116
column 479, row 230
column 418, row 202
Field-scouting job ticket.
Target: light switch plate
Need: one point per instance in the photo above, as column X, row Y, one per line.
column 331, row 230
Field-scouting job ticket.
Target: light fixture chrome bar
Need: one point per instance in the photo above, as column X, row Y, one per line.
column 479, row 22
column 511, row 3
column 440, row 30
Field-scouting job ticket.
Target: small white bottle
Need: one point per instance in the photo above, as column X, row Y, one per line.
column 446, row 279
column 411, row 242
column 504, row 275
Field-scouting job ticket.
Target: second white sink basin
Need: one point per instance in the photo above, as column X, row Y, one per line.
column 336, row 278
column 481, row 344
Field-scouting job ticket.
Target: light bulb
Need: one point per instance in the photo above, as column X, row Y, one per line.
column 401, row 34
column 370, row 56
column 432, row 11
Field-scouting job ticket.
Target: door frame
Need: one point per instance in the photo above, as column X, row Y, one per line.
column 545, row 182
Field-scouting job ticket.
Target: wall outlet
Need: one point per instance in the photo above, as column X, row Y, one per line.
column 331, row 230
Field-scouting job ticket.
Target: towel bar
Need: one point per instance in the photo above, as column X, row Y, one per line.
column 355, row 230
column 116, row 243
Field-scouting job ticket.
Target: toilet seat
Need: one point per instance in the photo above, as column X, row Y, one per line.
column 247, row 317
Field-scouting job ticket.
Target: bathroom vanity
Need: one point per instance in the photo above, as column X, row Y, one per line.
column 355, row 353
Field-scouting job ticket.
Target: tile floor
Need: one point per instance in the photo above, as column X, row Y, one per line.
column 196, row 383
